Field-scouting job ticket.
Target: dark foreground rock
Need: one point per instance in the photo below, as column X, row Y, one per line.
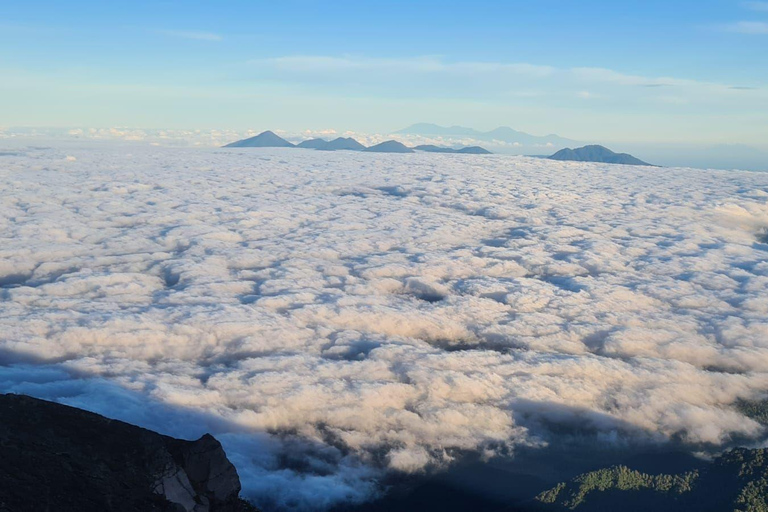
column 63, row 459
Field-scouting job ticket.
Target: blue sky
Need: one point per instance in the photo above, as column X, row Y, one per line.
column 649, row 71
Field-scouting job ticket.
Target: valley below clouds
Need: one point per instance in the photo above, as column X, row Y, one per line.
column 337, row 317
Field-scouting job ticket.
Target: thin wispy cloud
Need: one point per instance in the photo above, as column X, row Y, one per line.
column 757, row 6
column 422, row 64
column 747, row 27
column 359, row 70
column 191, row 34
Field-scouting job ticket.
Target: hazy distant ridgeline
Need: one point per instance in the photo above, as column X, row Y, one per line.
column 501, row 134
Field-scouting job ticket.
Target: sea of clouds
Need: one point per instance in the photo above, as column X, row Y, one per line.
column 336, row 316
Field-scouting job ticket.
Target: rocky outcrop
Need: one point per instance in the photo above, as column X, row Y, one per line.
column 63, row 459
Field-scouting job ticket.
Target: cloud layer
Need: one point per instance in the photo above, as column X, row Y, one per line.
column 335, row 316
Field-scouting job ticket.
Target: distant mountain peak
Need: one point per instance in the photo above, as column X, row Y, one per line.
column 312, row 144
column 344, row 143
column 474, row 150
column 267, row 139
column 389, row 146
column 431, row 148
column 470, row 150
column 596, row 153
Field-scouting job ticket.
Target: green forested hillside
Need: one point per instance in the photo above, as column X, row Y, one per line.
column 736, row 481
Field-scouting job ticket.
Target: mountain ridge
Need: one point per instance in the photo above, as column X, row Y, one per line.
column 337, row 144
column 389, row 146
column 266, row 139
column 469, row 150
column 270, row 139
column 596, row 153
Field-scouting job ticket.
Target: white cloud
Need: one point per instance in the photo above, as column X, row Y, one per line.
column 336, row 316
column 509, row 80
column 603, row 75
column 426, row 64
column 757, row 6
column 747, row 27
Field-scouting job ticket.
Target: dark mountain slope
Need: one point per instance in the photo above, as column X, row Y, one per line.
column 63, row 459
